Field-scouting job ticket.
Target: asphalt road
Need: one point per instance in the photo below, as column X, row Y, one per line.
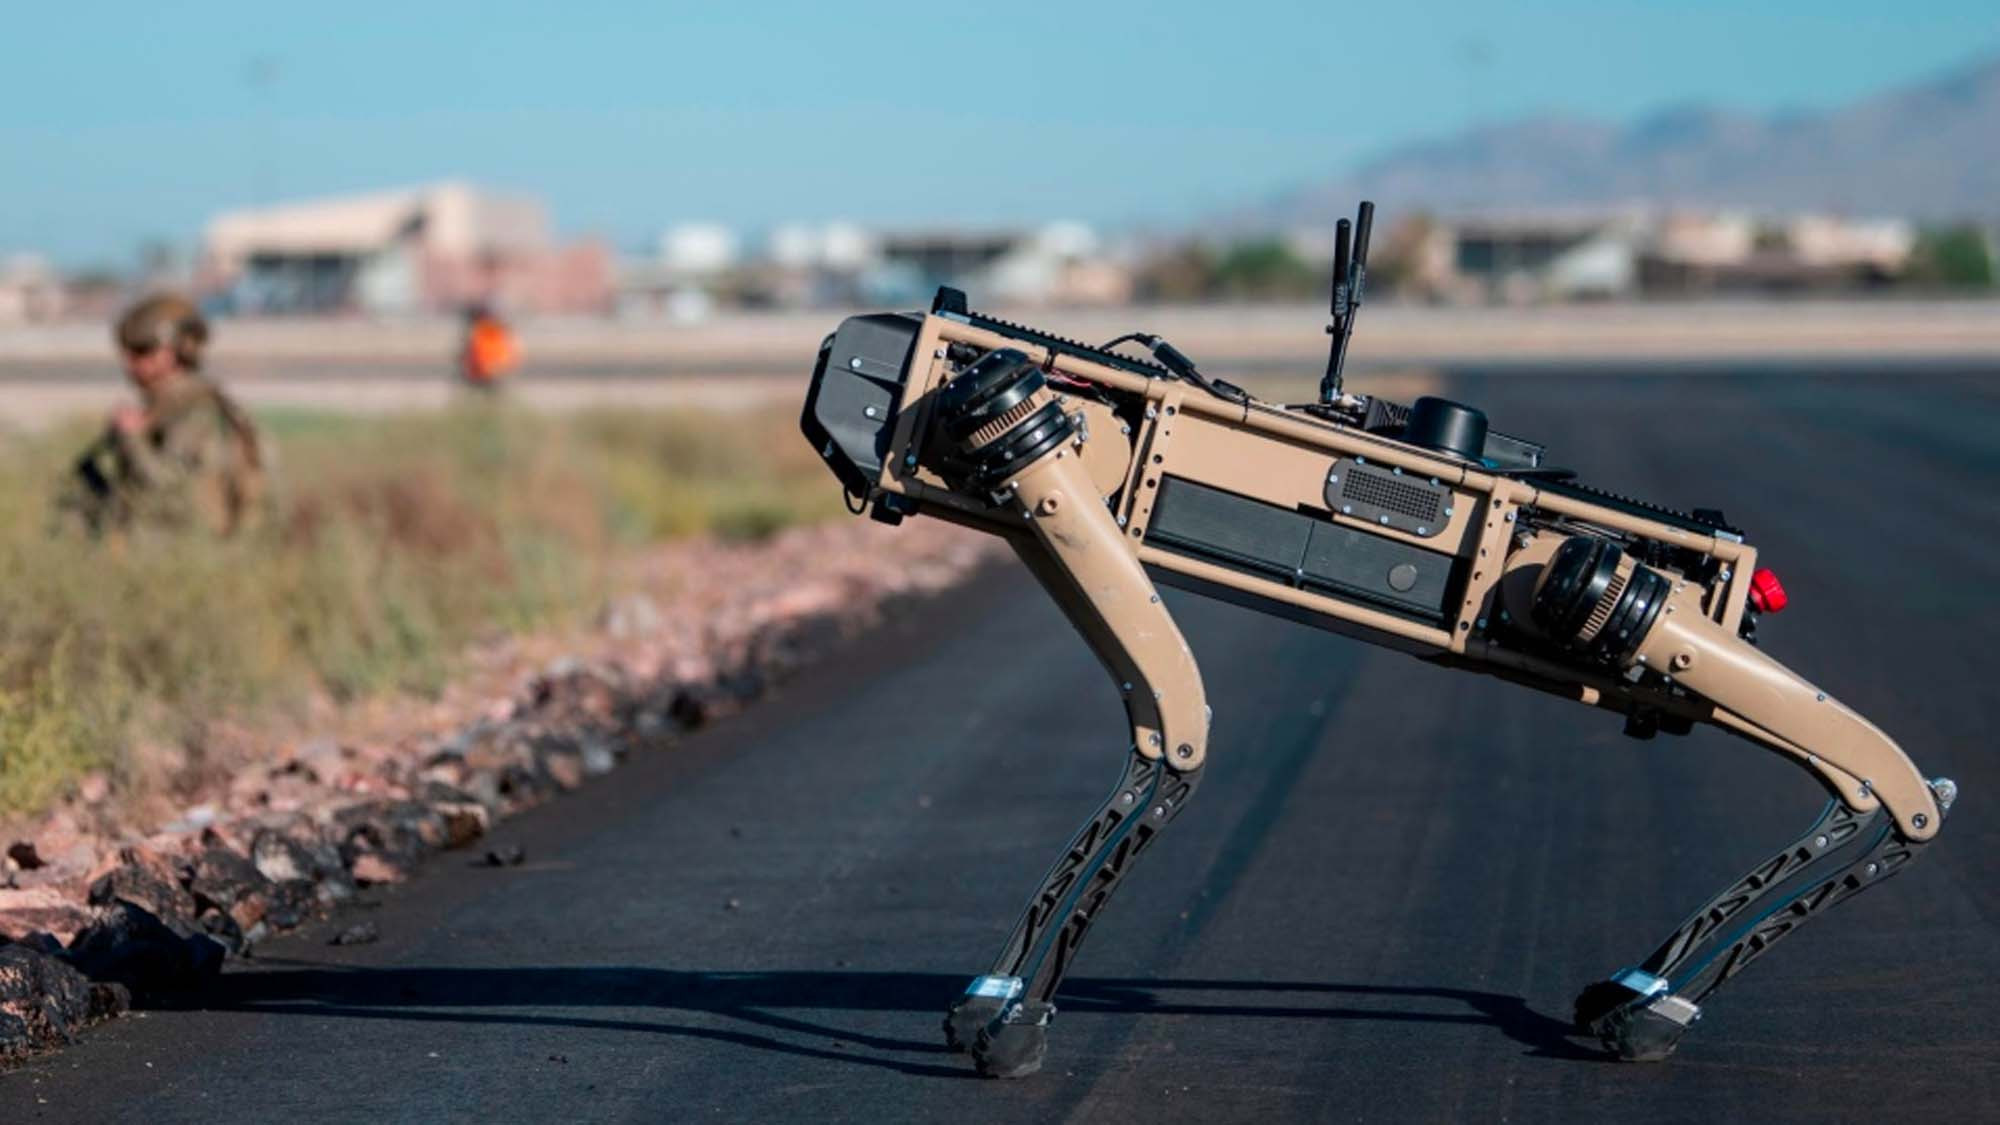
column 1377, row 908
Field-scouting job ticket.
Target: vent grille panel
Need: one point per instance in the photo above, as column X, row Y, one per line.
column 1390, row 493
column 1379, row 496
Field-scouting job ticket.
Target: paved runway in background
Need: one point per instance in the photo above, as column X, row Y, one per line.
column 1378, row 907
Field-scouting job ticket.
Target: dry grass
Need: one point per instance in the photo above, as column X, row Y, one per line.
column 393, row 543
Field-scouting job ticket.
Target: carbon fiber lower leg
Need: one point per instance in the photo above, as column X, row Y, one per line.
column 1641, row 1013
column 1003, row 1017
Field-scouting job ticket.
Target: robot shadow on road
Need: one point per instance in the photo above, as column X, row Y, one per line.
column 762, row 999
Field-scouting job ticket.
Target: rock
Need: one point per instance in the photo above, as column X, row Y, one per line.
column 130, row 946
column 44, row 1002
column 142, row 876
column 563, row 765
column 64, row 848
column 360, row 933
column 93, row 789
column 400, row 830
column 290, row 903
column 632, row 616
column 194, row 819
column 223, row 927
column 22, row 855
column 40, row 910
column 280, row 858
column 224, row 878
column 464, row 821
column 509, row 855
column 569, row 691
column 322, row 758
column 697, row 705
column 40, row 941
column 372, row 868
column 598, row 757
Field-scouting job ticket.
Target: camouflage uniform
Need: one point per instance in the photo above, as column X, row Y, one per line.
column 195, row 461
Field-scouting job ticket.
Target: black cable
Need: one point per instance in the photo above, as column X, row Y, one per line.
column 1179, row 365
column 1125, row 339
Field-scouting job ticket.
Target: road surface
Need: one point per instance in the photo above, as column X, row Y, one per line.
column 1378, row 907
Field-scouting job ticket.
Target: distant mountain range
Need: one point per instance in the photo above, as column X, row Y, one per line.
column 1926, row 151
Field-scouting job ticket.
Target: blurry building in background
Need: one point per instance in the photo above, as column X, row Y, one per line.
column 1518, row 258
column 1057, row 263
column 799, row 264
column 1737, row 253
column 428, row 249
column 681, row 280
column 1529, row 257
column 30, row 290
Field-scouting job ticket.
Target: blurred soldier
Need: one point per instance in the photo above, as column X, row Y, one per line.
column 186, row 455
column 489, row 351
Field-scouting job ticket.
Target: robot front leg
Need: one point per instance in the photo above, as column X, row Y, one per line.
column 1018, row 446
column 1003, row 1017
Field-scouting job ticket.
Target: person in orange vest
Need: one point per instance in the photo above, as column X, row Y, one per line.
column 489, row 351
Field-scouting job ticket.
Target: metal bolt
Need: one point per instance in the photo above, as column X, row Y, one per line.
column 1422, row 530
column 1154, row 738
column 1920, row 820
column 1125, row 687
column 854, row 364
column 869, row 411
column 1482, row 623
column 1150, row 412
column 1398, row 470
column 1125, row 798
column 1121, row 521
column 1448, row 513
column 1159, row 810
column 1510, row 517
column 1155, row 599
column 1385, row 521
column 1873, row 867
column 1642, row 658
column 1347, row 509
column 1184, row 752
column 1333, row 478
column 1819, row 841
column 1724, row 574
column 1124, row 427
column 910, row 460
column 1821, row 697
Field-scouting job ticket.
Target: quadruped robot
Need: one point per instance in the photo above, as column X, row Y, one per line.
column 1413, row 527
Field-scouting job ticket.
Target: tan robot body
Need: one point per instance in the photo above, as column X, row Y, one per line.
column 1105, row 473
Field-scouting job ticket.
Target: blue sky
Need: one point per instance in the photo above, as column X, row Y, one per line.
column 123, row 123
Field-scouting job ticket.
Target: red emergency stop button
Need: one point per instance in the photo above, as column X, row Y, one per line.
column 1766, row 592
